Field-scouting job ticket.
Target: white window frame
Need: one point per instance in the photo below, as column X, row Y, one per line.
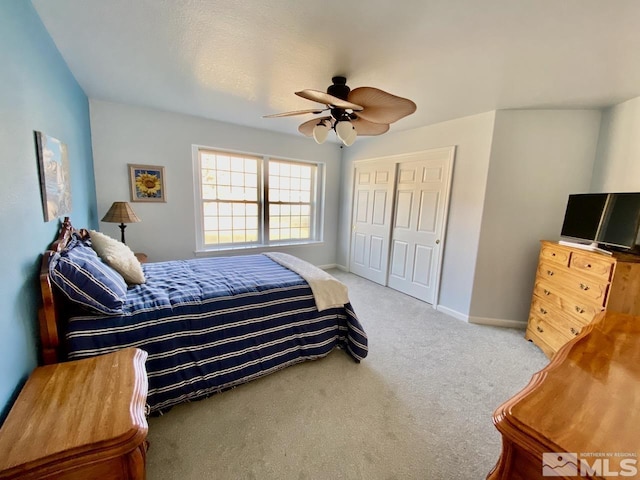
column 317, row 203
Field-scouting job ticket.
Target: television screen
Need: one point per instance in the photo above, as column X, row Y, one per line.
column 621, row 220
column 583, row 216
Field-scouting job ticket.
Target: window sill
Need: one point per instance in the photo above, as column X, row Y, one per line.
column 253, row 248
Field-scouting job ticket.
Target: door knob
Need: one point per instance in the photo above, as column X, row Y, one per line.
column 437, row 241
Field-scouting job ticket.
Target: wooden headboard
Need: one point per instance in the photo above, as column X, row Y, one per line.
column 51, row 312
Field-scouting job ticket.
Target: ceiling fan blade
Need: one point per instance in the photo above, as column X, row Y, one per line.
column 322, row 97
column 296, row 112
column 380, row 106
column 365, row 127
column 306, row 128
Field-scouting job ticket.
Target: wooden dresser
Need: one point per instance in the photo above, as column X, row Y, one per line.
column 79, row 420
column 579, row 416
column 572, row 286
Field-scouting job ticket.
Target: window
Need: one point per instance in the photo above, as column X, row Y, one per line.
column 290, row 190
column 247, row 200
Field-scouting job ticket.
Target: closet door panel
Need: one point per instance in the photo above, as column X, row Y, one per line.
column 371, row 217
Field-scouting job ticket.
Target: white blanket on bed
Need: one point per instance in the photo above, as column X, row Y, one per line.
column 328, row 291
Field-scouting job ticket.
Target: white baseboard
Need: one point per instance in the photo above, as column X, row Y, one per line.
column 328, row 267
column 498, row 322
column 493, row 322
column 453, row 313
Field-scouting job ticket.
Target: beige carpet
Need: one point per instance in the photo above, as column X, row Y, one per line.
column 418, row 407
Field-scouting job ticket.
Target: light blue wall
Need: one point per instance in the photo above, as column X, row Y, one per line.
column 37, row 92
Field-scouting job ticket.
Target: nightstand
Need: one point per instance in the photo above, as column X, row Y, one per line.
column 142, row 257
column 79, row 420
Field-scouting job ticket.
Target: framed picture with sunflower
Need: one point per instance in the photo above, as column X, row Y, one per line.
column 147, row 183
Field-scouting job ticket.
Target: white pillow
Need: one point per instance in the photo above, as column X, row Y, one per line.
column 118, row 256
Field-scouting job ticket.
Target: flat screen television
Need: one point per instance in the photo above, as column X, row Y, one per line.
column 583, row 216
column 609, row 219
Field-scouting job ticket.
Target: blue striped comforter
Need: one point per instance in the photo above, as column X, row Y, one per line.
column 209, row 324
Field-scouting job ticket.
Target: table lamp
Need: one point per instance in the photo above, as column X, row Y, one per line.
column 121, row 212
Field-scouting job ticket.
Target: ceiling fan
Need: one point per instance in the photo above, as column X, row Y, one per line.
column 352, row 113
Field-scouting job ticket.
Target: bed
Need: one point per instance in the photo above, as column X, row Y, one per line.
column 207, row 324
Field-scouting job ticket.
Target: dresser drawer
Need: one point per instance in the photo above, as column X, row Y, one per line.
column 578, row 286
column 565, row 324
column 548, row 291
column 587, row 288
column 553, row 252
column 542, row 309
column 583, row 309
column 592, row 264
column 552, row 272
column 547, row 332
column 580, row 309
column 534, row 336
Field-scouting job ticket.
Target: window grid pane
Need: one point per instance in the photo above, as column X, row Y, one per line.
column 230, row 197
column 229, row 223
column 290, row 208
column 228, row 178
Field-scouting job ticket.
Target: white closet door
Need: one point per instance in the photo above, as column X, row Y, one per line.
column 421, row 204
column 371, row 220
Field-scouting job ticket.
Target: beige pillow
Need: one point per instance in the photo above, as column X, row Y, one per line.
column 118, row 256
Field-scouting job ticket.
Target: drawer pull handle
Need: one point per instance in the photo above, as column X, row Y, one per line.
column 539, row 328
column 553, row 254
column 543, row 311
column 584, row 287
column 579, row 310
column 547, row 292
column 588, row 265
column 574, row 331
column 550, row 273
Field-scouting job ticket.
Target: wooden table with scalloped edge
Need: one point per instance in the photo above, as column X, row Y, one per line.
column 579, row 416
column 79, row 420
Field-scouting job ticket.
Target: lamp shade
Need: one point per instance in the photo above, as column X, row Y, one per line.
column 320, row 132
column 343, row 129
column 121, row 212
column 351, row 137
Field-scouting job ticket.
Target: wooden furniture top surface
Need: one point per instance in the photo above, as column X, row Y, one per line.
column 588, row 398
column 84, row 407
column 142, row 257
column 617, row 255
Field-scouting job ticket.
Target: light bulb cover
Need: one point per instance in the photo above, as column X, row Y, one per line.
column 344, row 129
column 320, row 132
column 351, row 138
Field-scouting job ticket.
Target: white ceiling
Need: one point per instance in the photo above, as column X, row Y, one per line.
column 237, row 60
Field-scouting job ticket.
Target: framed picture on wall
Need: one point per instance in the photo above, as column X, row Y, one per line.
column 147, row 183
column 55, row 181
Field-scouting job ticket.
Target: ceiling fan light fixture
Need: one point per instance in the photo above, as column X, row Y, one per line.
column 320, row 132
column 363, row 111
